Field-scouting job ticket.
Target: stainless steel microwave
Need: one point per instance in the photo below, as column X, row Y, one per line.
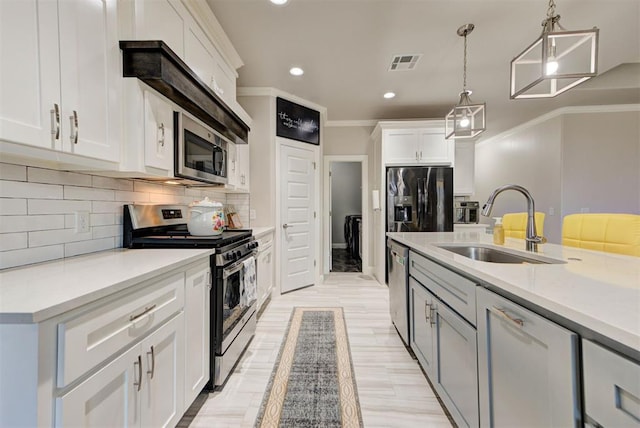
column 201, row 153
column 466, row 212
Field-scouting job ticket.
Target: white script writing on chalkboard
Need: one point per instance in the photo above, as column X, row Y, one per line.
column 302, row 125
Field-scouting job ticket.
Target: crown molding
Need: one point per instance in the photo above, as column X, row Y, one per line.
column 251, row 91
column 347, row 123
column 613, row 108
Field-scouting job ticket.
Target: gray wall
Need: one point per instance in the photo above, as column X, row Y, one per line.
column 570, row 163
column 346, row 140
column 346, row 196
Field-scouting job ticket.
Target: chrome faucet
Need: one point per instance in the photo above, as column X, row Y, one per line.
column 532, row 238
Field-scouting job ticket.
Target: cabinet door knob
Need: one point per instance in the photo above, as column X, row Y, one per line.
column 153, row 363
column 74, row 127
column 161, row 140
column 55, row 121
column 138, row 363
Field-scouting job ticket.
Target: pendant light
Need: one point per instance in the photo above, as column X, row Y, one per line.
column 465, row 120
column 556, row 62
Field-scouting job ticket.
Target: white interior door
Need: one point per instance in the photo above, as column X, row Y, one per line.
column 297, row 218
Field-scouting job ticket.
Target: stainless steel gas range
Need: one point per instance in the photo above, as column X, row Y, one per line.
column 233, row 300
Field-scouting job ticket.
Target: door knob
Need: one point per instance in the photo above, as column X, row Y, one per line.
column 285, row 226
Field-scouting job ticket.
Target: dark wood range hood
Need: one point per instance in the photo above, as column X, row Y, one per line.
column 158, row 66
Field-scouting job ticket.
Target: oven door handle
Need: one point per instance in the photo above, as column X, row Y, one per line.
column 228, row 271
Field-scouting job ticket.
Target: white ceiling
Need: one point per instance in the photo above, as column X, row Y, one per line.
column 346, row 46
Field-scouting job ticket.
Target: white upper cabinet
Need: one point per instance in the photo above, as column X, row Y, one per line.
column 30, row 78
column 90, row 75
column 161, row 20
column 158, row 132
column 62, row 90
column 243, row 160
column 415, row 143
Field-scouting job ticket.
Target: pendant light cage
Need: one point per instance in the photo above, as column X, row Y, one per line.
column 556, row 62
column 466, row 119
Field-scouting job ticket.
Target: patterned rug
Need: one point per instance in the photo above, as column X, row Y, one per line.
column 312, row 383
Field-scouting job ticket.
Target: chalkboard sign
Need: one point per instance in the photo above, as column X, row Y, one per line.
column 297, row 122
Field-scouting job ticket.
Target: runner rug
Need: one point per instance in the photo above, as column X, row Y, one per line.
column 312, row 383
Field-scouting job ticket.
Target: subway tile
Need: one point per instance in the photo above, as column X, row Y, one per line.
column 50, row 176
column 131, row 197
column 193, row 191
column 42, row 206
column 103, row 207
column 13, row 241
column 21, row 189
column 91, row 246
column 103, row 219
column 99, row 232
column 69, row 221
column 88, row 193
column 10, row 206
column 59, row 236
column 24, row 223
column 13, row 172
column 112, row 183
column 30, row 255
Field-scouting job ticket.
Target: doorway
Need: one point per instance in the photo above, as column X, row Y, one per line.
column 346, row 225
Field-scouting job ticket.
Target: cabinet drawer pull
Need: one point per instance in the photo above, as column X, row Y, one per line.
column 153, row 363
column 74, row 126
column 146, row 311
column 55, row 121
column 426, row 314
column 504, row 315
column 138, row 384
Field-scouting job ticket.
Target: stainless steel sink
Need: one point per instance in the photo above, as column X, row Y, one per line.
column 492, row 255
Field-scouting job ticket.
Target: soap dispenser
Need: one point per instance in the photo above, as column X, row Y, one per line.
column 498, row 231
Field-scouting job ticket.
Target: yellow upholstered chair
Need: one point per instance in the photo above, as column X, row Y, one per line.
column 515, row 225
column 614, row 233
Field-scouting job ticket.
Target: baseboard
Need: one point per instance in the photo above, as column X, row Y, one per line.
column 339, row 245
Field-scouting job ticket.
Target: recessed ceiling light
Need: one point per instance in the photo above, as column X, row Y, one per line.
column 296, row 71
column 389, row 95
column 279, row 2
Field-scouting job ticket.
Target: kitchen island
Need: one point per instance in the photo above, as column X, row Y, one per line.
column 554, row 341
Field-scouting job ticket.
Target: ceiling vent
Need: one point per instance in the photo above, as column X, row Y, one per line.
column 404, row 62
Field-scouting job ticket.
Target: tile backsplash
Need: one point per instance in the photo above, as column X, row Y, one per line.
column 38, row 209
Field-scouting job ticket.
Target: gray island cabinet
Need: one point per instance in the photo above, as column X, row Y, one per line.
column 509, row 345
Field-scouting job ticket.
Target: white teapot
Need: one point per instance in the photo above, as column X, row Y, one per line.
column 206, row 218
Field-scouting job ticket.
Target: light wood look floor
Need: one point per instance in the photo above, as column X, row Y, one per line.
column 393, row 391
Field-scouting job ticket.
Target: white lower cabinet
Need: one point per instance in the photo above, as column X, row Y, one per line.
column 528, row 367
column 422, row 305
column 611, row 388
column 141, row 387
column 197, row 308
column 265, row 268
column 443, row 340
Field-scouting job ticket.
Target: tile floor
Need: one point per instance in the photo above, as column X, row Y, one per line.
column 392, row 389
column 341, row 261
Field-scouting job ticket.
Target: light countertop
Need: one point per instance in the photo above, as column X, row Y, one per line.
column 35, row 293
column 259, row 232
column 598, row 291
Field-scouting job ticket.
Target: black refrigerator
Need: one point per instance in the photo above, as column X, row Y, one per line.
column 419, row 199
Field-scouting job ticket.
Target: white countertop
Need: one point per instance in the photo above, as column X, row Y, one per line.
column 600, row 291
column 259, row 232
column 38, row 292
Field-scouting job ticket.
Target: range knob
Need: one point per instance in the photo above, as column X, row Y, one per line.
column 229, row 256
column 238, row 254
